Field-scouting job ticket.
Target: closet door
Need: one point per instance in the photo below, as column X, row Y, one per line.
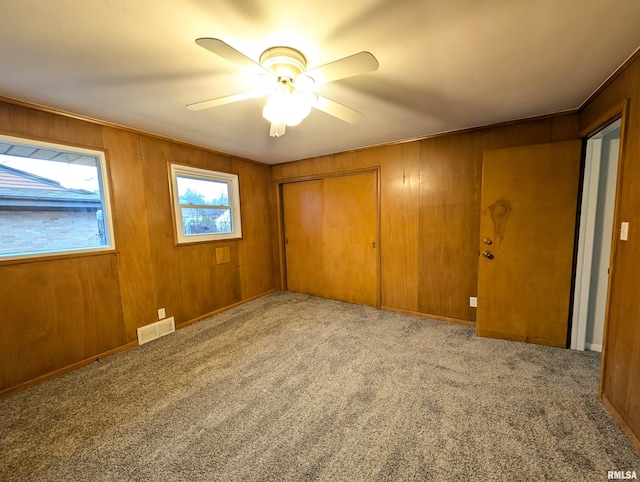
column 302, row 203
column 331, row 236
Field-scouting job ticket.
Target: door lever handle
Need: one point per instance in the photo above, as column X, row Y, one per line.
column 487, row 254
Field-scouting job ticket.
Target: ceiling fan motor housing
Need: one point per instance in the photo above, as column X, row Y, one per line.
column 284, row 62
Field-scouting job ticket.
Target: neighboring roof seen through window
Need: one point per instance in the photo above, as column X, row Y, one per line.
column 52, row 201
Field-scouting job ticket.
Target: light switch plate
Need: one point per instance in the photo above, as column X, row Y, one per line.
column 624, row 231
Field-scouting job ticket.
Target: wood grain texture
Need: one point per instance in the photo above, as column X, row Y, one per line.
column 449, row 201
column 565, row 127
column 450, row 186
column 131, row 229
column 257, row 250
column 528, row 211
column 55, row 313
column 399, row 224
column 302, row 208
column 35, row 124
column 176, row 269
column 350, row 238
column 89, row 305
column 189, row 283
column 399, row 201
column 331, row 231
column 620, row 380
column 223, row 255
column 200, row 284
column 430, row 209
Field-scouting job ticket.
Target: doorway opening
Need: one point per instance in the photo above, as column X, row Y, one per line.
column 595, row 237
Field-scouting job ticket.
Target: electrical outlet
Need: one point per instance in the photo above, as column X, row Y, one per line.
column 161, row 314
column 473, row 302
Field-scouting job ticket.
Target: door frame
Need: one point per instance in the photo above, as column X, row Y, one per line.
column 590, row 202
column 617, row 111
column 282, row 257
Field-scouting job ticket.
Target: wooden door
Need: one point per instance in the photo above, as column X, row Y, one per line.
column 302, row 202
column 331, row 234
column 528, row 215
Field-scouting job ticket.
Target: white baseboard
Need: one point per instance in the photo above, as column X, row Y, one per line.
column 593, row 347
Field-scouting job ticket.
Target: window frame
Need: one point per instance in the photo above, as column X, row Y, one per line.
column 232, row 181
column 105, row 194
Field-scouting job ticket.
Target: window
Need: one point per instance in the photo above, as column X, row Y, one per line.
column 54, row 199
column 206, row 204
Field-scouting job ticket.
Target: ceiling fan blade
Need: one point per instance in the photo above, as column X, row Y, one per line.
column 252, row 94
column 227, row 52
column 355, row 64
column 338, row 110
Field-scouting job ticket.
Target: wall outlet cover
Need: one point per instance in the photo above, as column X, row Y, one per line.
column 624, row 231
column 473, row 302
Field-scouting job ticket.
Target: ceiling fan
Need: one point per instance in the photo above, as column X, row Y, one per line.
column 284, row 78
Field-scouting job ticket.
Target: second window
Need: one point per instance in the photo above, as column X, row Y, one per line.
column 206, row 204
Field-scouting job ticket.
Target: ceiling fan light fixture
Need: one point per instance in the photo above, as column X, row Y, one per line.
column 286, row 106
column 284, row 78
column 304, row 83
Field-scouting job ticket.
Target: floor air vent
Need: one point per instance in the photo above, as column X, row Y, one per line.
column 156, row 330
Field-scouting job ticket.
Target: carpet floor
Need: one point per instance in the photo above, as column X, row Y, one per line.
column 294, row 387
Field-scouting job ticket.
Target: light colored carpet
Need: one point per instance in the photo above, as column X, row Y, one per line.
column 293, row 387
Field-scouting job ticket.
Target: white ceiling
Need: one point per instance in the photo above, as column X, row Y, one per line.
column 444, row 65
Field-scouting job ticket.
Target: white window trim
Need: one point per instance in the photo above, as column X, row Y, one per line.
column 104, row 189
column 179, row 170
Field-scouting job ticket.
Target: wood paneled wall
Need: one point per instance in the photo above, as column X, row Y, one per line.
column 59, row 313
column 430, row 209
column 620, row 380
